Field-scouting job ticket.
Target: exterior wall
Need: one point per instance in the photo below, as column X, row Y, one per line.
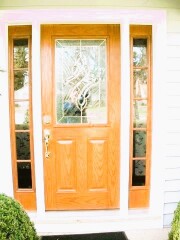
column 166, row 106
column 5, row 158
column 172, row 148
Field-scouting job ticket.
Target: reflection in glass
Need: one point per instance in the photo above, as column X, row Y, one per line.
column 24, row 175
column 139, row 143
column 140, row 52
column 21, row 85
column 140, row 83
column 139, row 173
column 140, row 113
column 23, row 146
column 21, row 53
column 80, row 69
column 22, row 115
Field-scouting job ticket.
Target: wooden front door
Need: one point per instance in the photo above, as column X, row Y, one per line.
column 81, row 115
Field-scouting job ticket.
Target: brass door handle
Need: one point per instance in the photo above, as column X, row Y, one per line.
column 46, row 141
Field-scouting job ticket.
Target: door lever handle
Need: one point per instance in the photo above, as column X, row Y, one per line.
column 46, row 141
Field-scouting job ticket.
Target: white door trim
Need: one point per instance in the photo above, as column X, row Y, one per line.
column 91, row 15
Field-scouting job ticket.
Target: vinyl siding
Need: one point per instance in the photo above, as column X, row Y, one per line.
column 172, row 148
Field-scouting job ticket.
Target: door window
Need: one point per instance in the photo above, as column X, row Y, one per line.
column 80, row 75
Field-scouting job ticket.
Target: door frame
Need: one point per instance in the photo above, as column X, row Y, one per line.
column 125, row 17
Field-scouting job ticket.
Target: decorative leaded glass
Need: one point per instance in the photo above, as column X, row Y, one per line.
column 23, row 146
column 21, row 85
column 140, row 52
column 139, row 143
column 140, row 83
column 21, row 53
column 24, row 175
column 140, row 113
column 139, row 173
column 22, row 115
column 80, row 75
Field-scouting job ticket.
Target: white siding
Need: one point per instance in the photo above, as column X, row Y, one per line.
column 172, row 148
column 173, row 39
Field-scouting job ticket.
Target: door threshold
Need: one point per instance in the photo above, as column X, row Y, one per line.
column 104, row 221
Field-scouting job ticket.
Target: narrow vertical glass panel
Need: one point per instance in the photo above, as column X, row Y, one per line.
column 139, row 143
column 21, row 85
column 140, row 113
column 80, row 73
column 23, row 145
column 22, row 115
column 21, row 53
column 140, row 77
column 140, row 52
column 139, row 173
column 24, row 175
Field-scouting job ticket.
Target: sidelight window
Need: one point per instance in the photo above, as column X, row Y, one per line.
column 21, row 114
column 140, row 50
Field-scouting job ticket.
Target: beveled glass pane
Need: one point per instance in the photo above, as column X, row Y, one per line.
column 139, row 173
column 23, row 145
column 21, row 85
column 140, row 83
column 21, row 53
column 24, row 175
column 80, row 72
column 139, row 143
column 22, row 115
column 140, row 113
column 140, row 52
